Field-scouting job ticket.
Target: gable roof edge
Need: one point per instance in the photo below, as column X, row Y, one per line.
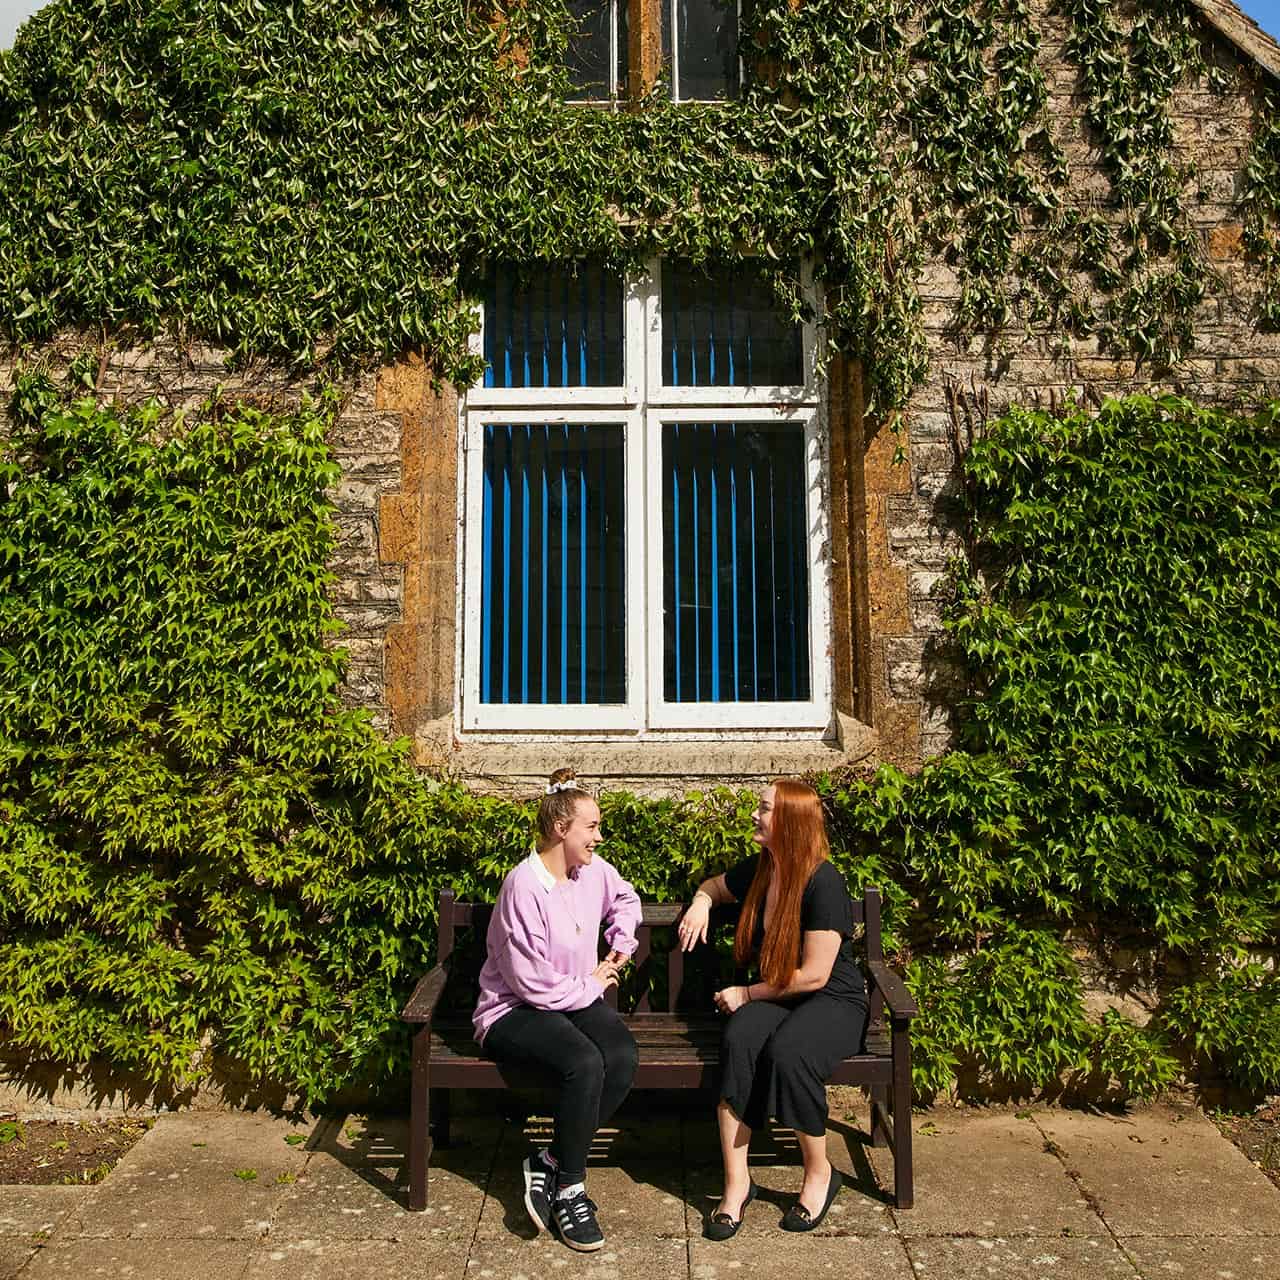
column 1229, row 20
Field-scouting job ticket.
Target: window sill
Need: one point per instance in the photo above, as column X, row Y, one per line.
column 650, row 766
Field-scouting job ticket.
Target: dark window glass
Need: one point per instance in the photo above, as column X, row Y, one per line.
column 553, row 326
column 723, row 328
column 553, row 605
column 735, row 563
column 705, row 48
column 595, row 47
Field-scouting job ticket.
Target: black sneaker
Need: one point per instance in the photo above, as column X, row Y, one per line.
column 539, row 1187
column 575, row 1222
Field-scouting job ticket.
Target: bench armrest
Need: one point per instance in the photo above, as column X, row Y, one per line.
column 894, row 990
column 426, row 995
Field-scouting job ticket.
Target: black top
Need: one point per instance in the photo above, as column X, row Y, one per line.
column 825, row 905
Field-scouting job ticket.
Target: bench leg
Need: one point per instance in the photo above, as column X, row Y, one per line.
column 879, row 1110
column 440, row 1118
column 903, row 1187
column 419, row 1109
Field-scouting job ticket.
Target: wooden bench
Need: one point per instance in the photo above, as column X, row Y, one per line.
column 679, row 1046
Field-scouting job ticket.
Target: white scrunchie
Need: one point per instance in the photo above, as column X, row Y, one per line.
column 570, row 785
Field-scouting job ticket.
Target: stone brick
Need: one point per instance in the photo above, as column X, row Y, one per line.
column 925, row 615
column 904, row 667
column 1226, row 241
column 366, row 433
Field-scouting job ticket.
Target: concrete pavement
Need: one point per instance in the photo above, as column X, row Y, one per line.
column 1000, row 1194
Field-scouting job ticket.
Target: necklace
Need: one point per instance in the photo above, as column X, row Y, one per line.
column 573, row 915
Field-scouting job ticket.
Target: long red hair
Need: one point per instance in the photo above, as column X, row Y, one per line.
column 797, row 846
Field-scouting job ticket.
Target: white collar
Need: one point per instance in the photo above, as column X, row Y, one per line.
column 540, row 872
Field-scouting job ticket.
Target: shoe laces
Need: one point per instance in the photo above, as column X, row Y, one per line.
column 578, row 1209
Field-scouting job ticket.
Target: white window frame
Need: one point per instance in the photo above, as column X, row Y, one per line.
column 553, row 716
column 726, row 397
column 615, row 91
column 815, row 713
column 672, row 15
column 642, row 417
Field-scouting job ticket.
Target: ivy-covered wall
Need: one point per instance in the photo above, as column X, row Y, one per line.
column 1019, row 197
column 1004, row 202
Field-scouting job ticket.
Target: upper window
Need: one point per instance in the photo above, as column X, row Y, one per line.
column 597, row 56
column 698, row 40
column 700, row 45
column 643, row 538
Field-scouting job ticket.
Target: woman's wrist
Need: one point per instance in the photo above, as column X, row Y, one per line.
column 702, row 893
column 746, row 991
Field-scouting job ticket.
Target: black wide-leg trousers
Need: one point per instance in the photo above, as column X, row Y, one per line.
column 778, row 1058
column 591, row 1058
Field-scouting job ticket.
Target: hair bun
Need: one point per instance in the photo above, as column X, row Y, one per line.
column 561, row 780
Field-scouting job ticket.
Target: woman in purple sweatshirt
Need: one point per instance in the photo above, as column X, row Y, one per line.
column 542, row 997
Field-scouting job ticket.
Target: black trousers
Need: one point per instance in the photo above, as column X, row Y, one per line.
column 778, row 1058
column 591, row 1058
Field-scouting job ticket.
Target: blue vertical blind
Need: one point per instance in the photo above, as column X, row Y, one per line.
column 553, row 325
column 722, row 327
column 735, row 563
column 553, row 607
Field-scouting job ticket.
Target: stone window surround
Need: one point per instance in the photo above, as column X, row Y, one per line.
column 419, row 528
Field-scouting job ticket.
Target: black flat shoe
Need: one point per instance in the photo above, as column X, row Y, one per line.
column 721, row 1226
column 797, row 1217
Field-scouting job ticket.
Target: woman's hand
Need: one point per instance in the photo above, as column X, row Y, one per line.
column 731, row 999
column 606, row 973
column 617, row 958
column 692, row 928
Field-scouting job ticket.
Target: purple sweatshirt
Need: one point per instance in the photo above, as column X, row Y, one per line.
column 543, row 938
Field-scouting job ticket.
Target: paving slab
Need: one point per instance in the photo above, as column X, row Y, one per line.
column 331, row 1200
column 355, row 1185
column 1164, row 1171
column 859, row 1209
column 14, row 1255
column 357, row 1260
column 750, row 1255
column 1025, row 1258
column 771, row 1145
column 29, row 1211
column 987, row 1174
column 511, row 1258
column 635, row 1205
column 1205, row 1257
column 180, row 1181
column 139, row 1260
column 632, row 1137
column 383, row 1141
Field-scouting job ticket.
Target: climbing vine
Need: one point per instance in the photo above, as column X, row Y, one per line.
column 1149, row 262
column 320, row 180
column 1261, row 202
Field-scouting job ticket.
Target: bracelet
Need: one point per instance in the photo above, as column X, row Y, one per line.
column 702, row 893
column 747, row 991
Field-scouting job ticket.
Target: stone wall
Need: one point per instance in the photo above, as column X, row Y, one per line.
column 1232, row 363
column 365, row 441
column 396, row 439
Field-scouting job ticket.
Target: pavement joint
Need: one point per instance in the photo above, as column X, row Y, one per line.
column 1086, row 1195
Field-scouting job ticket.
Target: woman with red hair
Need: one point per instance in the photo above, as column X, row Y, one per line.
column 805, row 1012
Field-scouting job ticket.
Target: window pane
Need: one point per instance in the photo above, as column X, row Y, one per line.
column 552, row 599
column 706, row 46
column 557, row 325
column 723, row 328
column 589, row 50
column 735, row 563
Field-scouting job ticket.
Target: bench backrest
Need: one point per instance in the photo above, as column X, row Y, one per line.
column 456, row 915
